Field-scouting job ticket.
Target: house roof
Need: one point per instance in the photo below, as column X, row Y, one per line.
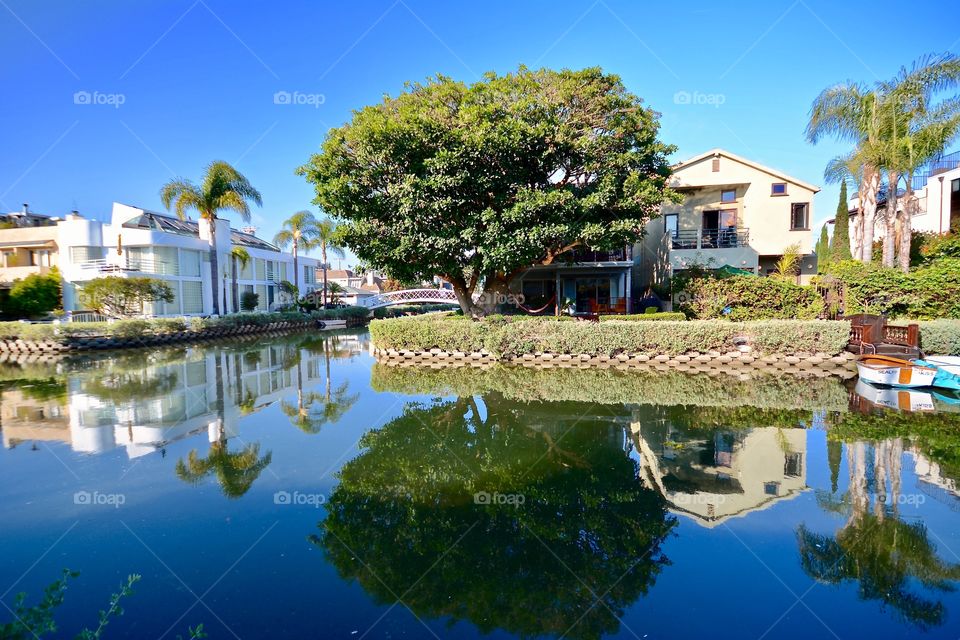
column 339, row 273
column 170, row 224
column 749, row 163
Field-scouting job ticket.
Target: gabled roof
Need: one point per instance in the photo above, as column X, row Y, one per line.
column 750, row 163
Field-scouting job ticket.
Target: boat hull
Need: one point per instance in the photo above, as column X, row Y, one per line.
column 894, row 372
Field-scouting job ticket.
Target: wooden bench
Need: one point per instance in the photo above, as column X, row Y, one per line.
column 870, row 334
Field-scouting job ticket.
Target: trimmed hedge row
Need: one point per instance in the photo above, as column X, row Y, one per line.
column 751, row 298
column 674, row 316
column 514, row 337
column 940, row 337
column 133, row 327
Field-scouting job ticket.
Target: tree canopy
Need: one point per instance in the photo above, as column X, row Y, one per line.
column 117, row 296
column 476, row 183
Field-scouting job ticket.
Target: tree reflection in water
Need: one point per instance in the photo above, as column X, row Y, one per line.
column 410, row 519
column 875, row 548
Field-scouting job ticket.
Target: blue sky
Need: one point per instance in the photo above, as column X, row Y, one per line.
column 197, row 80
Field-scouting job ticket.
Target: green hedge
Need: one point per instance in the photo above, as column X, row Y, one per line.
column 940, row 337
column 132, row 327
column 751, row 298
column 927, row 293
column 646, row 317
column 505, row 336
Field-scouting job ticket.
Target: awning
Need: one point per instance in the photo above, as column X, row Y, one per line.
column 28, row 244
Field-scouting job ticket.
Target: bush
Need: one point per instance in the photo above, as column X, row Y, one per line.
column 647, row 316
column 249, row 300
column 751, row 298
column 940, row 337
column 118, row 296
column 926, row 293
column 34, row 296
column 516, row 336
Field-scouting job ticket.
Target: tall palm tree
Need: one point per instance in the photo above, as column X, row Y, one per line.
column 927, row 128
column 223, row 189
column 239, row 258
column 328, row 243
column 299, row 230
column 853, row 113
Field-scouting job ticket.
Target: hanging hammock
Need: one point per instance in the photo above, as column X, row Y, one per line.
column 543, row 308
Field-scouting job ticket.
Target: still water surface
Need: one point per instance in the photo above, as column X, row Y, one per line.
column 291, row 487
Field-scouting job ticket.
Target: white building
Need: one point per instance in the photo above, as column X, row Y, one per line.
column 137, row 242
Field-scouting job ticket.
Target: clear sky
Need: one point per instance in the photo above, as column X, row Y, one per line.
column 171, row 85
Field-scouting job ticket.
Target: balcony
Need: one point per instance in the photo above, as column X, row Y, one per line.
column 589, row 255
column 704, row 239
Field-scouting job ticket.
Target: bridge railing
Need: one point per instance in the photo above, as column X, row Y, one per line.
column 408, row 296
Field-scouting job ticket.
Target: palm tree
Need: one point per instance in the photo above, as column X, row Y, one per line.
column 927, row 128
column 223, row 189
column 853, row 113
column 239, row 258
column 299, row 230
column 235, row 471
column 328, row 243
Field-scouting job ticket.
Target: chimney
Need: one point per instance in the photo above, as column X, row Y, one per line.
column 370, row 280
column 26, row 208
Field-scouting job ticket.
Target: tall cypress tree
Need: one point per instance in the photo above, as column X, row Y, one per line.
column 840, row 247
column 823, row 249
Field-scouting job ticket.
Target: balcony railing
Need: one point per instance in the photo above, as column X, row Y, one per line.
column 710, row 239
column 589, row 255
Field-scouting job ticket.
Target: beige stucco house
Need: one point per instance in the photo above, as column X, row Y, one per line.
column 28, row 245
column 735, row 212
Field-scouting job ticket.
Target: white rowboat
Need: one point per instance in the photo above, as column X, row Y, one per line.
column 895, row 372
column 950, row 364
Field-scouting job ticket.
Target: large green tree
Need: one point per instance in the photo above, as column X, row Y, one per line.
column 223, row 188
column 477, row 183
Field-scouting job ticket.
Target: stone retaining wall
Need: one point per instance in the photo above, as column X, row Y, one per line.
column 99, row 343
column 800, row 363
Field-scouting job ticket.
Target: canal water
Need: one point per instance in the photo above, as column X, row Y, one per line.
column 293, row 488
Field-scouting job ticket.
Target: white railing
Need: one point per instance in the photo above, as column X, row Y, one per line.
column 86, row 316
column 408, row 296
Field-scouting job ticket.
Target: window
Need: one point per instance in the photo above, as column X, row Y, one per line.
column 671, row 224
column 728, row 195
column 771, row 488
column 793, row 465
column 190, row 263
column 270, row 270
column 192, row 297
column 262, row 293
column 778, row 189
column 261, row 269
column 85, row 254
column 799, row 216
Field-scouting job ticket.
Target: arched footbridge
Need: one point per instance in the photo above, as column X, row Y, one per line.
column 408, row 296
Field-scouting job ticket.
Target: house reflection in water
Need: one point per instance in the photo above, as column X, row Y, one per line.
column 122, row 403
column 712, row 475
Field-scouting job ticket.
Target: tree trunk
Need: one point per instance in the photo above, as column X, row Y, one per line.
column 906, row 227
column 495, row 292
column 214, row 267
column 856, row 230
column 296, row 268
column 323, row 257
column 465, row 299
column 234, row 287
column 869, row 211
column 890, row 220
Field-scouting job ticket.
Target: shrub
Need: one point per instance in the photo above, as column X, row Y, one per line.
column 35, row 295
column 647, row 316
column 249, row 300
column 940, row 337
column 517, row 336
column 119, row 296
column 651, row 310
column 751, row 298
column 928, row 292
